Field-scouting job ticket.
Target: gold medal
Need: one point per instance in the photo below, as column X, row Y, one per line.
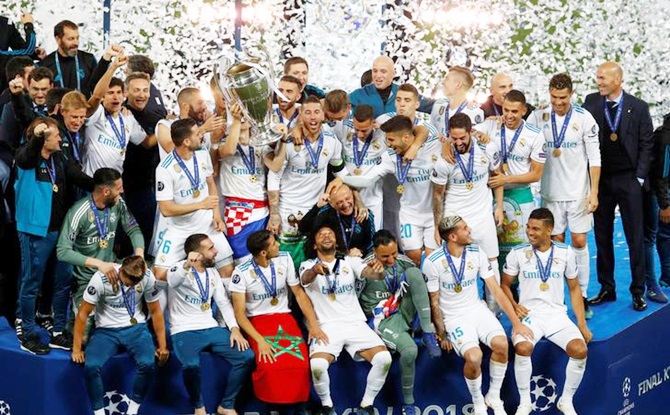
column 469, row 185
column 505, row 168
column 358, row 171
column 458, row 288
column 544, row 286
column 253, row 178
column 204, row 306
column 332, row 297
column 103, row 244
column 400, row 189
column 133, row 321
column 274, row 301
column 55, row 188
column 557, row 152
column 196, row 194
column 545, row 116
column 614, row 137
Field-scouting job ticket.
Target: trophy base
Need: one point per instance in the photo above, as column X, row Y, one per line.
column 263, row 137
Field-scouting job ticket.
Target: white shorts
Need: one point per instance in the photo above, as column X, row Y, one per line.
column 171, row 249
column 466, row 331
column 555, row 327
column 570, row 215
column 484, row 233
column 417, row 231
column 353, row 337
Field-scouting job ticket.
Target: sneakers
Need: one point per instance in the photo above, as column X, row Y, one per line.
column 588, row 313
column 565, row 406
column 655, row 294
column 61, row 341
column 430, row 342
column 524, row 409
column 46, row 321
column 19, row 329
column 496, row 404
column 408, row 410
column 480, row 408
column 32, row 344
column 367, row 410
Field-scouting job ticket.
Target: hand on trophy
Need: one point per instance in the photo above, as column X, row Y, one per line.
column 213, row 123
column 236, row 111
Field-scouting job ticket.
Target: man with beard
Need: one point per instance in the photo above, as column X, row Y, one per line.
column 188, row 198
column 501, row 84
column 87, row 237
column 286, row 112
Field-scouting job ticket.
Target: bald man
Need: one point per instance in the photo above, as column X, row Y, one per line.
column 626, row 147
column 380, row 94
column 501, row 84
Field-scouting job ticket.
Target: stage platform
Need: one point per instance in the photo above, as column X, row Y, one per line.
column 628, row 373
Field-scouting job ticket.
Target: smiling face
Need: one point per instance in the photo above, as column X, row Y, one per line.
column 53, row 140
column 560, row 100
column 311, row 115
column 113, row 99
column 325, row 241
column 73, row 118
column 461, row 139
column 387, row 254
column 538, row 232
column 513, row 113
column 208, row 252
column 138, row 93
column 382, row 72
column 462, row 234
column 68, row 44
column 291, row 91
column 343, row 201
column 38, row 90
column 609, row 78
column 501, row 84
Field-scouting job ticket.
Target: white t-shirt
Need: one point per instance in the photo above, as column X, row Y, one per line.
column 440, row 278
column 441, row 107
column 290, row 122
column 529, row 146
column 235, row 178
column 245, row 280
column 184, row 300
column 346, row 307
column 521, row 262
column 172, row 183
column 566, row 177
column 110, row 308
column 102, row 147
column 460, row 200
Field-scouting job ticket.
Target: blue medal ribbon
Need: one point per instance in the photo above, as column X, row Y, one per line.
column 193, row 178
column 281, row 118
column 74, row 142
column 495, row 109
column 204, row 291
column 402, row 170
column 249, row 162
column 503, row 141
column 470, row 171
column 393, row 284
column 101, row 226
column 359, row 155
column 458, row 276
column 447, row 115
column 270, row 287
column 59, row 73
column 52, row 170
column 129, row 301
column 120, row 136
column 332, row 285
column 315, row 157
column 559, row 138
column 614, row 126
column 348, row 237
column 545, row 271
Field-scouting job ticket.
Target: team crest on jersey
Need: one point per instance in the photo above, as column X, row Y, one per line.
column 176, row 168
column 529, row 254
column 138, row 288
column 434, row 158
column 162, row 258
column 545, row 116
column 442, row 110
column 275, row 118
column 257, row 153
column 252, row 273
column 522, row 142
column 376, row 145
column 444, row 263
column 325, row 152
column 350, row 136
column 91, row 290
column 236, row 279
column 483, row 159
column 91, row 218
column 112, row 217
column 575, row 127
column 280, row 271
column 470, row 266
column 345, row 270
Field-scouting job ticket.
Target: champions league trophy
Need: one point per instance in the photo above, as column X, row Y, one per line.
column 249, row 84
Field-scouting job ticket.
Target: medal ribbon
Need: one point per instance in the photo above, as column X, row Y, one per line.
column 315, row 157
column 204, row 291
column 393, row 284
column 269, row 288
column 195, row 181
column 458, row 276
column 249, row 162
column 503, row 141
column 59, row 73
column 470, row 171
column 614, row 126
column 545, row 271
column 348, row 237
column 359, row 155
column 402, row 170
column 129, row 300
column 52, row 170
column 281, row 118
column 74, row 142
column 332, row 285
column 102, row 226
column 447, row 116
column 120, row 136
column 559, row 138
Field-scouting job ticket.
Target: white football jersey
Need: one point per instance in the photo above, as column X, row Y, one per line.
column 278, row 118
column 237, row 180
column 441, row 109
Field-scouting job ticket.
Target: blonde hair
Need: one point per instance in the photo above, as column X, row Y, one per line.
column 73, row 100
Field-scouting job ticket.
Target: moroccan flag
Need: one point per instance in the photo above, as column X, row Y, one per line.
column 285, row 381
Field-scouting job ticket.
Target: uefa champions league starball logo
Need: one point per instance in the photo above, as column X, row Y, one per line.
column 5, row 409
column 116, row 403
column 543, row 393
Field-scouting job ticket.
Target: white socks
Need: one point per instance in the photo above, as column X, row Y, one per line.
column 321, row 380
column 497, row 374
column 381, row 363
column 583, row 268
column 574, row 372
column 475, row 388
column 523, row 369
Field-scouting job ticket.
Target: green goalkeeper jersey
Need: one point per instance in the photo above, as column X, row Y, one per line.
column 374, row 291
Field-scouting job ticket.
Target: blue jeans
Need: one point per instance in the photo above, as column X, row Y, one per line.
column 656, row 234
column 105, row 343
column 187, row 346
column 35, row 252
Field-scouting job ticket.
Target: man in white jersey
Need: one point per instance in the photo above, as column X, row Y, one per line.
column 569, row 185
column 242, row 182
column 108, row 129
column 456, row 85
column 120, row 323
column 192, row 285
column 330, row 284
column 461, row 319
column 461, row 189
column 417, row 231
column 541, row 268
column 298, row 175
column 523, row 152
column 286, row 112
column 187, row 196
column 260, row 290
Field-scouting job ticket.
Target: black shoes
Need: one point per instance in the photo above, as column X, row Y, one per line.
column 32, row 344
column 61, row 341
column 604, row 296
column 638, row 303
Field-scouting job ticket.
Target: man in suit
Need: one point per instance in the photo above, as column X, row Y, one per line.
column 626, row 146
